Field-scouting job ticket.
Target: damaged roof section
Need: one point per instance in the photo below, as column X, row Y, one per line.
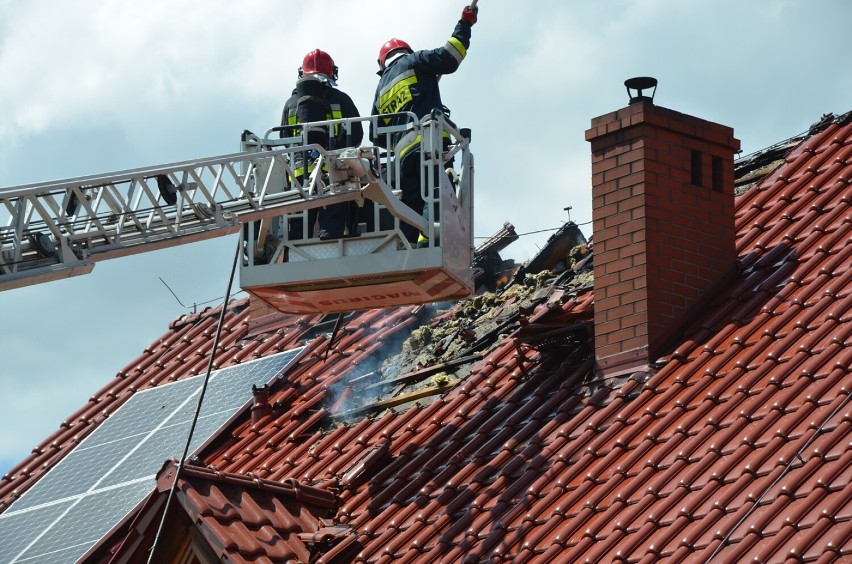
column 440, row 352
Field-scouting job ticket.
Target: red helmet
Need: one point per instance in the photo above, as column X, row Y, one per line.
column 318, row 62
column 391, row 47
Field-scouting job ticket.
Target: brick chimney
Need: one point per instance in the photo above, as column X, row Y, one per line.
column 663, row 215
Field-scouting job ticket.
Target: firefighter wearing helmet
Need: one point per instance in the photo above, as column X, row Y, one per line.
column 316, row 98
column 409, row 83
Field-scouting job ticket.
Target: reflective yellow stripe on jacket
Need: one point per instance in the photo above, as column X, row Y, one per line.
column 397, row 94
column 456, row 49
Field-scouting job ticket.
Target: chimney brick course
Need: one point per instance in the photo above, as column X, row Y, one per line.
column 663, row 215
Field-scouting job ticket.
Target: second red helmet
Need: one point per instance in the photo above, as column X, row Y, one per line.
column 390, row 47
column 318, row 61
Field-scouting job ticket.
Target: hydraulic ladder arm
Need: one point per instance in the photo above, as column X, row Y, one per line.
column 54, row 230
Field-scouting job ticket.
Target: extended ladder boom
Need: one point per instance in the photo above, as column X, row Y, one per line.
column 59, row 229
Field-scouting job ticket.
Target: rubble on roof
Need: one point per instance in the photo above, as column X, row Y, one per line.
column 562, row 250
column 452, row 336
column 490, row 270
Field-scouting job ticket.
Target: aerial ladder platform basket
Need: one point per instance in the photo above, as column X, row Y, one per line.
column 373, row 265
column 58, row 229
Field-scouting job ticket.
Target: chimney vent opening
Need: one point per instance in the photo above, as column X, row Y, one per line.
column 636, row 85
column 718, row 172
column 695, row 168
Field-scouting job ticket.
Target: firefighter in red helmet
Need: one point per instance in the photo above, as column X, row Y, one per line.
column 316, row 98
column 318, row 62
column 409, row 83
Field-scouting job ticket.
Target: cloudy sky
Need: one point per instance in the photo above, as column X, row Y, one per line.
column 100, row 86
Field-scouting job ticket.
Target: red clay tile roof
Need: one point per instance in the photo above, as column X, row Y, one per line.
column 241, row 502
column 242, row 518
column 734, row 447
column 246, row 519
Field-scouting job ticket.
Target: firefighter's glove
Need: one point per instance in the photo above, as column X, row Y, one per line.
column 469, row 15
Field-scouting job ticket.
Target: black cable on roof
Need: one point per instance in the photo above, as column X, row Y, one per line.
column 198, row 406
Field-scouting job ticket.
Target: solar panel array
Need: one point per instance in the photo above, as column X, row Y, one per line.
column 79, row 500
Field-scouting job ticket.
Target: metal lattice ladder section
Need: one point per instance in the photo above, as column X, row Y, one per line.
column 59, row 229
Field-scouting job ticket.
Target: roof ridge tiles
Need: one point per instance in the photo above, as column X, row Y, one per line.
column 233, row 305
column 289, row 487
